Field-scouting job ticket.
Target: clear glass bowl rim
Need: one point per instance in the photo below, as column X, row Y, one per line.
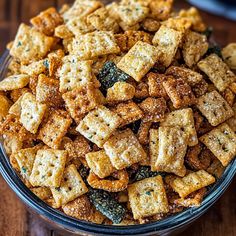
column 73, row 225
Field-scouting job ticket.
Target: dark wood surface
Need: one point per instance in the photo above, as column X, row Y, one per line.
column 15, row 220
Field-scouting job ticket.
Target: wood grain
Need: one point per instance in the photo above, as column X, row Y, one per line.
column 15, row 220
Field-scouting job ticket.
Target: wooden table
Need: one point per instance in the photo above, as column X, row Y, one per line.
column 14, row 218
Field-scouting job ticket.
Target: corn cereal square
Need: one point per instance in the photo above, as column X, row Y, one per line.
column 90, row 45
column 167, row 41
column 79, row 101
column 191, row 182
column 194, row 47
column 232, row 121
column 161, row 9
column 71, row 187
column 129, row 112
column 47, row 21
column 48, row 168
column 30, row 45
column 139, row 60
column 217, row 71
column 185, row 121
column 99, row 125
column 5, row 105
column 124, row 149
column 213, row 106
column 55, row 128
column 14, row 82
column 222, row 143
column 148, row 197
column 100, row 163
column 179, row 91
column 47, row 91
column 32, row 112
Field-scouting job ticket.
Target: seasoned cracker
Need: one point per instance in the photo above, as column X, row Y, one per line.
column 139, row 60
column 48, row 168
column 100, row 163
column 52, row 132
column 143, row 132
column 43, row 193
column 99, row 125
column 14, row 82
column 63, row 31
column 47, row 21
column 229, row 55
column 71, row 187
column 232, row 121
column 167, row 41
column 213, row 106
column 129, row 112
column 179, row 92
column 30, row 45
column 32, row 112
column 222, row 143
column 151, row 25
column 5, row 105
column 148, row 197
column 217, row 71
column 141, row 90
column 35, row 68
column 178, row 23
column 124, row 149
column 191, row 182
column 194, row 47
column 229, row 96
column 12, row 144
column 94, row 44
column 154, row 147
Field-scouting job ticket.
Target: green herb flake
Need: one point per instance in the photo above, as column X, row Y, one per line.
column 19, row 44
column 46, row 63
column 24, row 170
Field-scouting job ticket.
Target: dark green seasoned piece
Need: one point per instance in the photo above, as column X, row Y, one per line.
column 107, row 205
column 208, row 32
column 110, row 74
column 215, row 48
column 145, row 172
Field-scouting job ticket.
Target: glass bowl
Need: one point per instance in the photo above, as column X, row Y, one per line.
column 58, row 220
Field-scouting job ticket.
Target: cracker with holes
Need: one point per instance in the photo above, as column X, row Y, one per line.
column 167, row 41
column 120, row 92
column 95, row 44
column 48, row 168
column 74, row 73
column 99, row 125
column 71, row 187
column 213, row 106
column 79, row 101
column 179, row 92
column 148, row 197
column 100, row 163
column 101, row 20
column 14, row 82
column 185, row 121
column 154, row 109
column 194, row 47
column 129, row 112
column 32, row 112
column 155, row 86
column 217, row 71
column 47, row 21
column 132, row 14
column 124, row 149
column 171, row 151
column 139, row 60
column 222, row 143
column 47, row 91
column 190, row 76
column 161, row 9
column 191, row 182
column 30, row 45
column 43, row 193
column 55, row 128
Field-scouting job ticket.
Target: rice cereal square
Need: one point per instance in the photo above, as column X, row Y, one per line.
column 124, row 149
column 217, row 71
column 100, row 163
column 148, row 197
column 71, row 187
column 55, row 128
column 98, row 125
column 32, row 112
column 14, row 82
column 48, row 168
column 167, row 41
column 139, row 60
column 30, row 45
column 213, row 106
column 222, row 143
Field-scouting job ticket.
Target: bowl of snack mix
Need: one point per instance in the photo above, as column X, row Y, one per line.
column 118, row 119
